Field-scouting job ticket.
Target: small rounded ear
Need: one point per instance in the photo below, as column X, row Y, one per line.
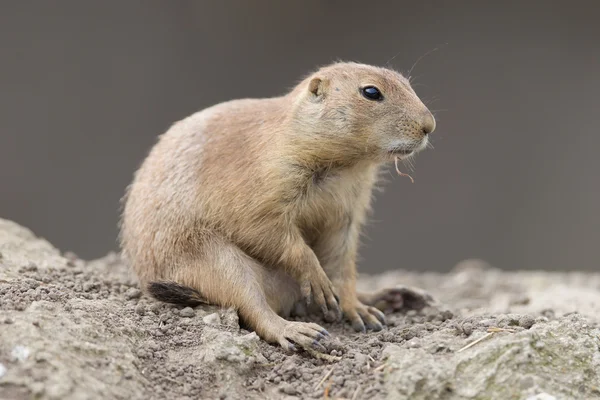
column 316, row 86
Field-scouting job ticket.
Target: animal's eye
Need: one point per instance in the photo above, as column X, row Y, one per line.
column 371, row 93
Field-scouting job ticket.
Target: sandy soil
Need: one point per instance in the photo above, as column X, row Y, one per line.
column 71, row 329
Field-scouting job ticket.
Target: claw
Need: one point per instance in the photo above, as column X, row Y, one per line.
column 359, row 326
column 376, row 327
column 319, row 346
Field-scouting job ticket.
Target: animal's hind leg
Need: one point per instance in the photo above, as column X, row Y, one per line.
column 224, row 275
column 398, row 298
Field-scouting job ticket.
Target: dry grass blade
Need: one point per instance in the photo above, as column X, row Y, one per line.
column 380, row 368
column 491, row 330
column 487, row 335
column 323, row 356
column 326, row 391
column 495, row 329
column 324, row 379
column 400, row 172
column 355, row 395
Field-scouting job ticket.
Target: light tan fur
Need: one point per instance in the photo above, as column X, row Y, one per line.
column 258, row 203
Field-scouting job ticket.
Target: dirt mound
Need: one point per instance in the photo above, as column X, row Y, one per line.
column 71, row 329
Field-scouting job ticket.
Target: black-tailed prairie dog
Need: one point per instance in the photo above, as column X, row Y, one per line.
column 258, row 204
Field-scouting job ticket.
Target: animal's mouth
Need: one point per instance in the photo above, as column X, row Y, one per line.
column 407, row 149
column 401, row 152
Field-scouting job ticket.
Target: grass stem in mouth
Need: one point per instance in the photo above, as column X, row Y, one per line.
column 400, row 172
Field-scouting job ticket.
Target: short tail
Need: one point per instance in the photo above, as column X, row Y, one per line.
column 172, row 292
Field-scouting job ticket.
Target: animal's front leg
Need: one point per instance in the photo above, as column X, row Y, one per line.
column 337, row 253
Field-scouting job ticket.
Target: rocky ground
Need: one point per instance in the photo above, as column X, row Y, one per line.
column 71, row 329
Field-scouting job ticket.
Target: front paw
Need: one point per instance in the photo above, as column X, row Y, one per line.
column 363, row 317
column 316, row 287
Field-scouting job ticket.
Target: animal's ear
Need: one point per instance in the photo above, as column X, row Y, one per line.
column 316, row 86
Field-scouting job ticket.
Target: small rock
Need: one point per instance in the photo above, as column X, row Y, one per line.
column 38, row 389
column 248, row 339
column 360, row 359
column 88, row 286
column 230, row 318
column 155, row 308
column 526, row 321
column 212, row 319
column 187, row 312
column 2, row 370
column 527, row 382
column 288, row 389
column 32, row 267
column 140, row 309
column 539, row 345
column 132, row 293
column 487, row 322
column 8, row 321
column 42, row 357
column 20, row 353
column 467, row 328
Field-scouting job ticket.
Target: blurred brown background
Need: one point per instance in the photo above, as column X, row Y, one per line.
column 514, row 178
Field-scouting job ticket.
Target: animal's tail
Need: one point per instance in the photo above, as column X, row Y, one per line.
column 172, row 292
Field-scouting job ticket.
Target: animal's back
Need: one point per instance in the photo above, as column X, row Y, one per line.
column 182, row 186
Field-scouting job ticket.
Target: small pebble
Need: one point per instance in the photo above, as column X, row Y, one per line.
column 212, row 319
column 187, row 312
column 287, row 389
column 467, row 328
column 88, row 286
column 526, row 321
column 140, row 309
column 132, row 293
column 155, row 308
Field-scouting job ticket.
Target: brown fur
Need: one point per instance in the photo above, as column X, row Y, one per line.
column 258, row 203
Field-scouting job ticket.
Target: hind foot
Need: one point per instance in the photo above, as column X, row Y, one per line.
column 399, row 298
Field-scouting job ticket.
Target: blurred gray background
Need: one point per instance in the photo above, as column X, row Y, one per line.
column 514, row 177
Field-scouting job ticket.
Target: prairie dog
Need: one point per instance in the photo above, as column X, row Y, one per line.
column 258, row 203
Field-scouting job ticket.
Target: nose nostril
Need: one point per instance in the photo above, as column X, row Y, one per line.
column 429, row 125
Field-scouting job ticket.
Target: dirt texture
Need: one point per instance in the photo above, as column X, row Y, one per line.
column 74, row 329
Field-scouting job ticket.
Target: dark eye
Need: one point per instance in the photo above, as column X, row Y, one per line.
column 371, row 93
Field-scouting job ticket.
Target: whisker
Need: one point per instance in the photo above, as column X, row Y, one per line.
column 420, row 58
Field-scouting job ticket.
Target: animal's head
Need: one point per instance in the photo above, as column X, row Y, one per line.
column 365, row 112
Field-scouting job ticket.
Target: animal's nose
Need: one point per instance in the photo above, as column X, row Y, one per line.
column 428, row 123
